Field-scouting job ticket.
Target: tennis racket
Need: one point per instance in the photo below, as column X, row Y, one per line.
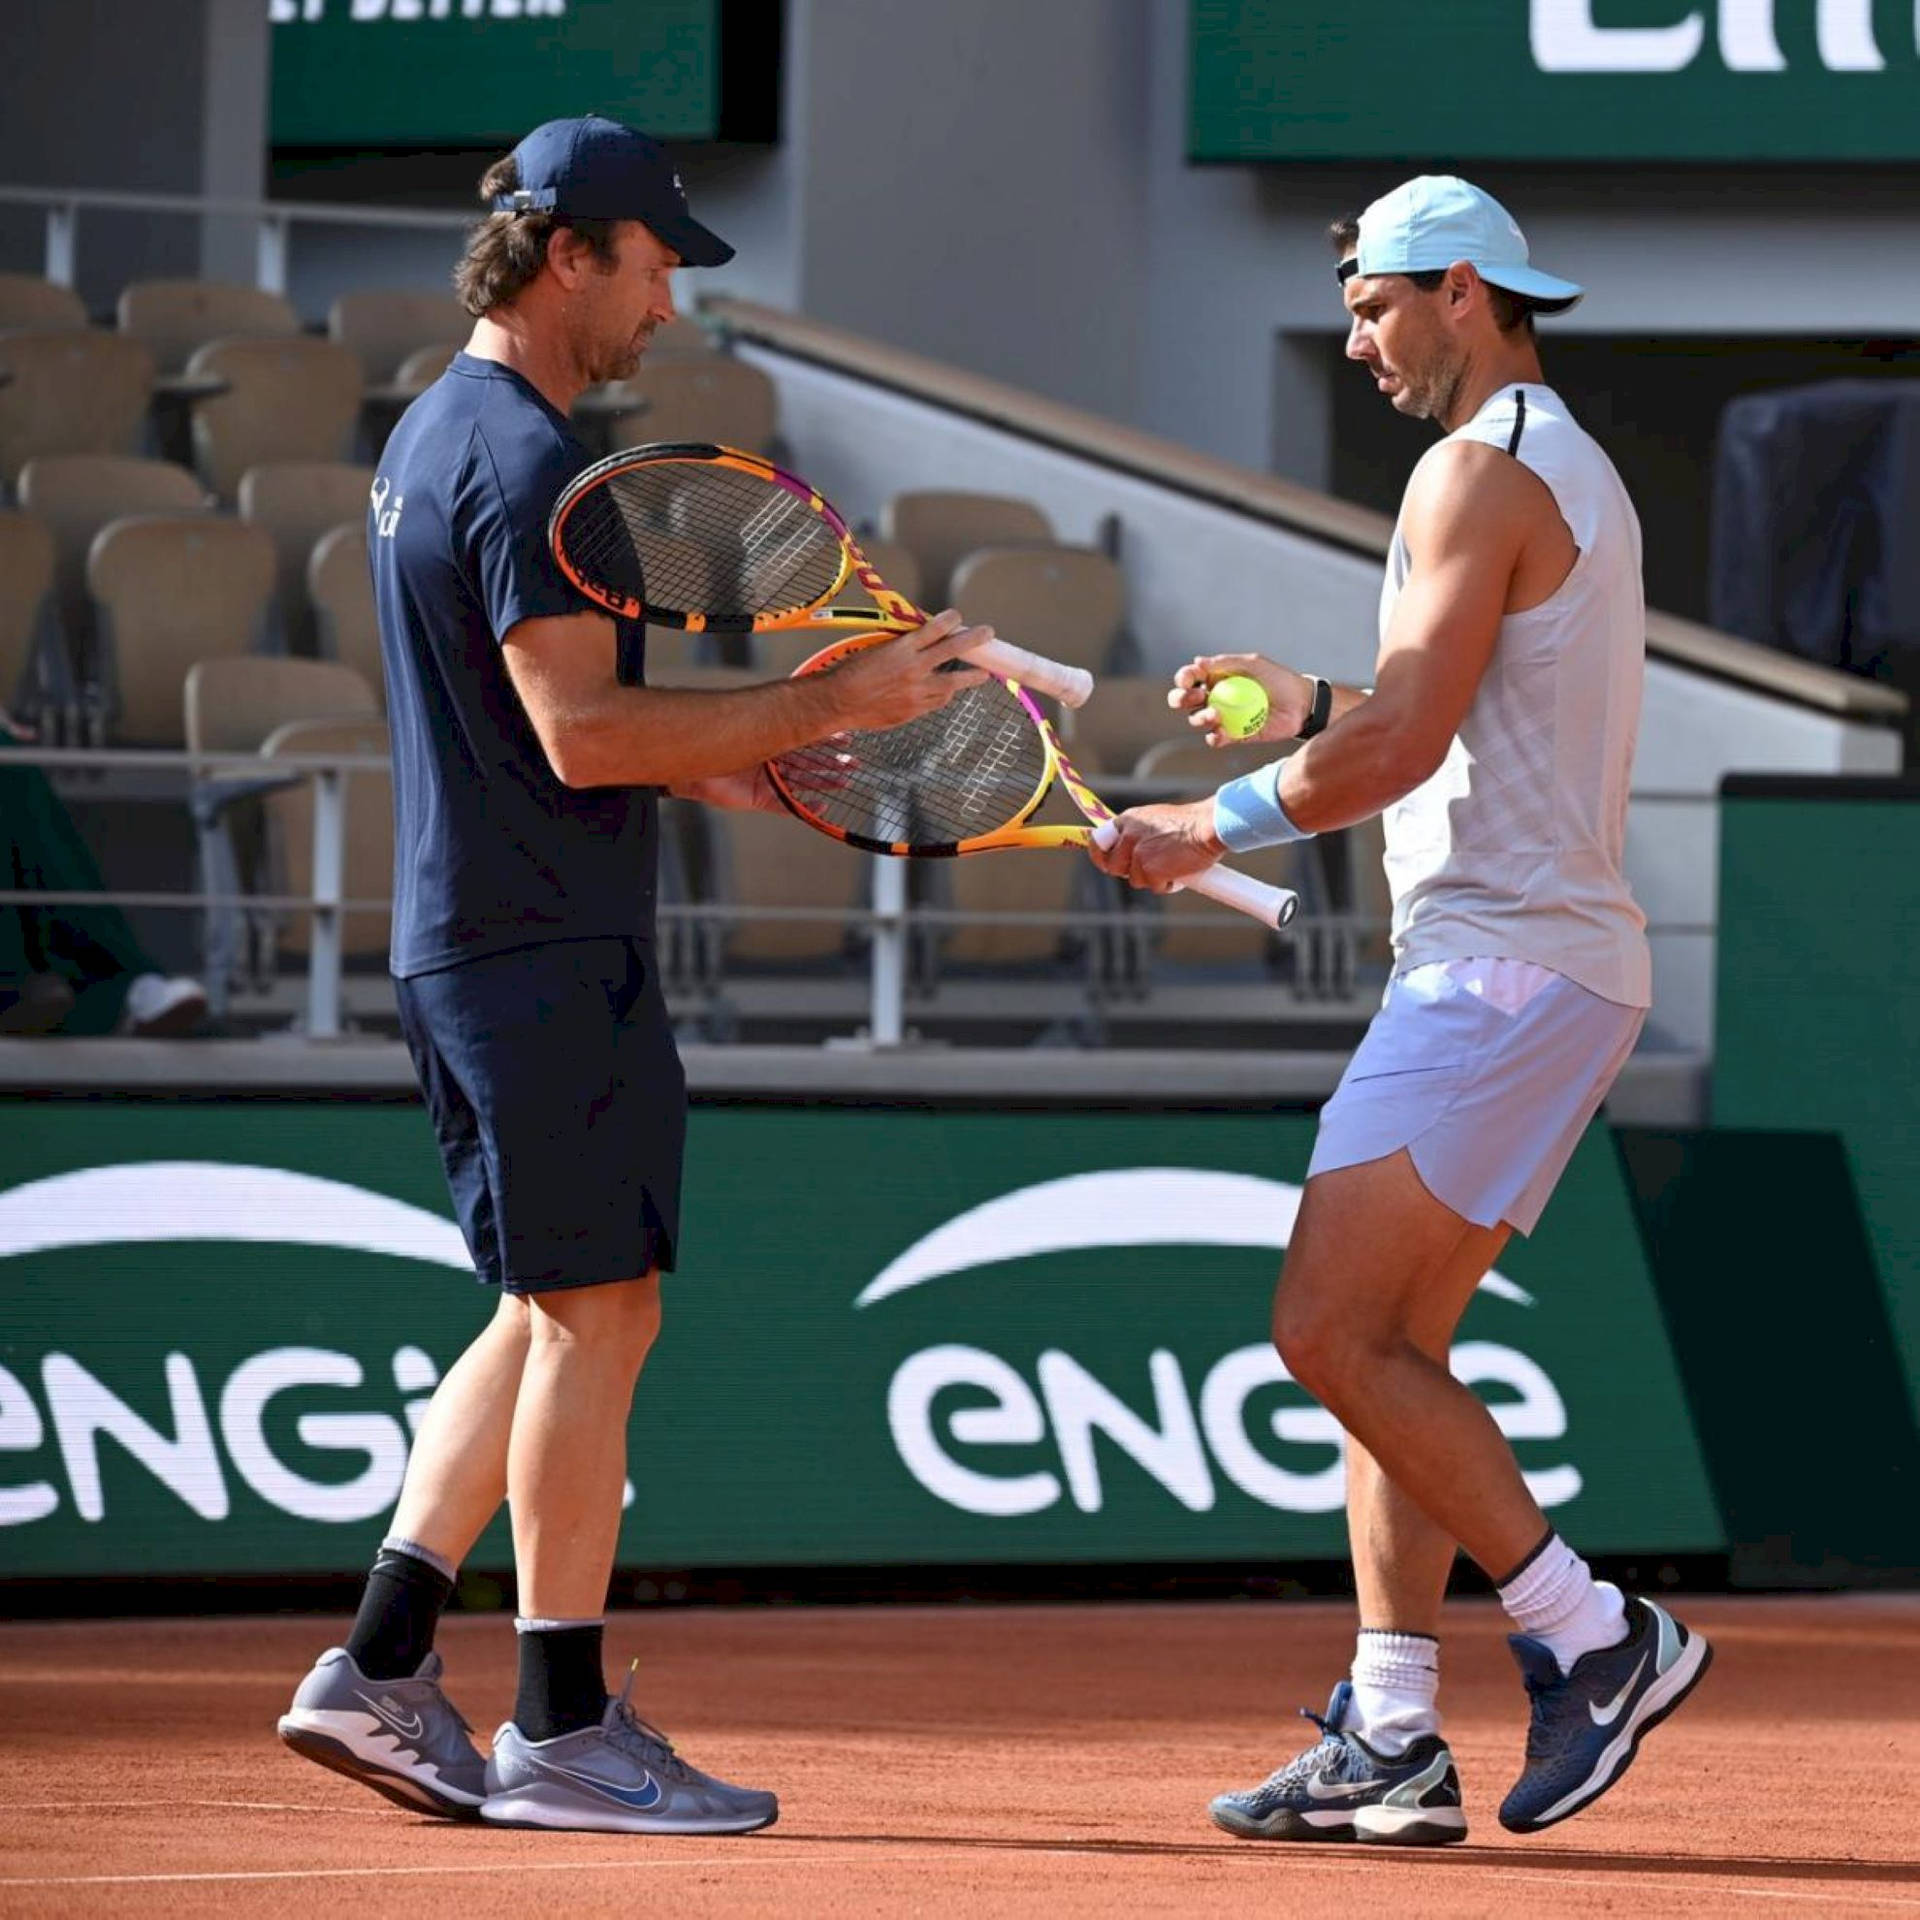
column 966, row 779
column 713, row 540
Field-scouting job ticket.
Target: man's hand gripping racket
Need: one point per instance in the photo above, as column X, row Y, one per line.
column 710, row 539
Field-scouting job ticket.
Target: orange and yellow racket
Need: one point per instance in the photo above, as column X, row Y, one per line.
column 713, row 540
column 966, row 779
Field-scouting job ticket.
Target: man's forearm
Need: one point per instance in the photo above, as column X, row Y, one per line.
column 670, row 736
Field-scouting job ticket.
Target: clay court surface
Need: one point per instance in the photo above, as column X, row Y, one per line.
column 1031, row 1760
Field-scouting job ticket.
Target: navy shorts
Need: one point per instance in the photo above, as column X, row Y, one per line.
column 561, row 1107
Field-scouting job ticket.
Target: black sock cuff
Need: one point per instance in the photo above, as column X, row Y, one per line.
column 398, row 1564
column 1546, row 1540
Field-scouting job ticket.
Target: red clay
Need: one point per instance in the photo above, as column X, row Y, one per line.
column 988, row 1761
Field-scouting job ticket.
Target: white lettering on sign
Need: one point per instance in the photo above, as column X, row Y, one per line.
column 243, row 1407
column 288, row 13
column 1566, row 38
column 84, row 1408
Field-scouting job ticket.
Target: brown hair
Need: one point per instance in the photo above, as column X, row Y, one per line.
column 1511, row 311
column 506, row 251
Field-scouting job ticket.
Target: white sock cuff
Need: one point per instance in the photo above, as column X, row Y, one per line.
column 1418, row 1650
column 399, row 1543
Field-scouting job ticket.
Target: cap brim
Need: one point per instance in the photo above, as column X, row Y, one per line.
column 1551, row 292
column 695, row 244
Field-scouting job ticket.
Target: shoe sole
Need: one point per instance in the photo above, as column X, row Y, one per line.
column 1656, row 1704
column 558, row 1811
column 329, row 1751
column 1369, row 1826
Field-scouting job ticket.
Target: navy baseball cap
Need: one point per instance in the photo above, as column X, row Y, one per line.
column 596, row 169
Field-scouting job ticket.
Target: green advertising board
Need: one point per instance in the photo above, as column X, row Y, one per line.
column 1424, row 80
column 1037, row 1337
column 468, row 73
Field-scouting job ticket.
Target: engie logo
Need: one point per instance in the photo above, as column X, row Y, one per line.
column 157, row 1201
column 1199, row 1433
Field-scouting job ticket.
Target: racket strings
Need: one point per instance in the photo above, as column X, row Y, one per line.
column 689, row 537
column 975, row 766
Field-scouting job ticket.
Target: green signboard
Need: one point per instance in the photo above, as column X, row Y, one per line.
column 1815, row 1020
column 1035, row 1337
column 472, row 73
column 1464, row 80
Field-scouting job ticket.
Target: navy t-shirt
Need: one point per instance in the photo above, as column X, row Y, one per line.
column 491, row 851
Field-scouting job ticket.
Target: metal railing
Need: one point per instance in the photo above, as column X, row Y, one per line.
column 273, row 222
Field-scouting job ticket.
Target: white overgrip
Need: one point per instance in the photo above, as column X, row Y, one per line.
column 1274, row 906
column 1071, row 686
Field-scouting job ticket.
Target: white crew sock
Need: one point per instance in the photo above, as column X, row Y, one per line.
column 1396, row 1679
column 1554, row 1598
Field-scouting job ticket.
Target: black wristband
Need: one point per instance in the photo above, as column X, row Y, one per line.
column 1320, row 712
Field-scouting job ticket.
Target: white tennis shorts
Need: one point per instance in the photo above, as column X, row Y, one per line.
column 1487, row 1072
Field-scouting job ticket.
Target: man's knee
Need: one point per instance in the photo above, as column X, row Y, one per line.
column 616, row 1323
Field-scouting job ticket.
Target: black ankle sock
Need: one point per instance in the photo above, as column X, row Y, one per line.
column 393, row 1631
column 562, row 1686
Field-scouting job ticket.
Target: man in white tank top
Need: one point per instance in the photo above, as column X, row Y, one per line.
column 1497, row 741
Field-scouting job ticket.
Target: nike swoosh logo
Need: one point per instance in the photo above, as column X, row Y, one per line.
column 408, row 1725
column 1607, row 1715
column 1321, row 1788
column 639, row 1798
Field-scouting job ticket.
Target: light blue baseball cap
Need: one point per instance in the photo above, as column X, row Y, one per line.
column 1428, row 223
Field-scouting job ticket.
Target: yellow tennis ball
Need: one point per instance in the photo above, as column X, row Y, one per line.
column 1241, row 703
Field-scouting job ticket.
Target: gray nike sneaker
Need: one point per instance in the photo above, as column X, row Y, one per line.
column 1342, row 1789
column 402, row 1738
column 622, row 1776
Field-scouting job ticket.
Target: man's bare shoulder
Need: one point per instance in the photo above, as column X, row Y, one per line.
column 1468, row 490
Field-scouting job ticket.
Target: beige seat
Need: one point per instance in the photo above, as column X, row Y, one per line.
column 340, row 586
column 26, row 300
column 172, row 590
column 287, row 400
column 1127, row 717
column 296, row 501
column 77, row 494
column 1013, row 882
column 941, row 528
column 232, row 704
column 26, row 597
column 70, row 391
column 423, row 366
column 1069, row 603
column 383, row 325
column 176, row 317
column 1192, row 932
column 705, row 397
column 368, row 863
column 681, row 336
column 765, row 860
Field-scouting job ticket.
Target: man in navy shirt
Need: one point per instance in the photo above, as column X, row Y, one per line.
column 527, row 757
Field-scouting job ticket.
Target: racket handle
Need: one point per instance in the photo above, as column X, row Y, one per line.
column 1071, row 686
column 1273, row 906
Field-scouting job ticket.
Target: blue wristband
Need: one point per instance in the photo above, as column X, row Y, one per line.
column 1247, row 813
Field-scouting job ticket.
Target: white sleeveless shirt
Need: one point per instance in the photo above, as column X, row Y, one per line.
column 1513, row 849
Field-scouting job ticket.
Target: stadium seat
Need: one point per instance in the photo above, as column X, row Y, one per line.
column 422, row 367
column 383, row 326
column 231, row 704
column 26, row 300
column 26, row 609
column 764, row 860
column 368, row 850
column 1067, row 602
column 174, row 318
column 340, row 586
column 77, row 494
column 296, row 502
column 680, row 337
column 70, row 391
column 1127, row 716
column 172, row 590
column 942, row 528
column 689, row 397
column 286, row 400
